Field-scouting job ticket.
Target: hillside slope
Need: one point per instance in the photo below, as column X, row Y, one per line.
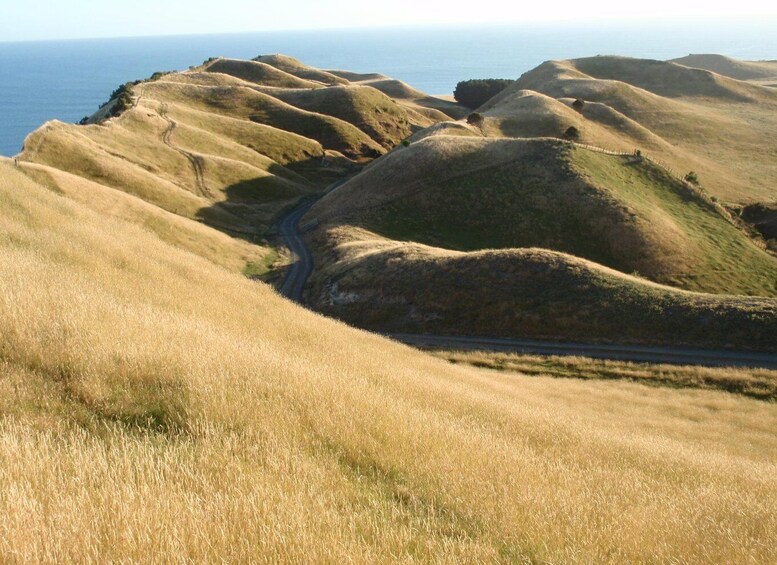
column 220, row 145
column 470, row 194
column 692, row 119
column 146, row 413
column 390, row 286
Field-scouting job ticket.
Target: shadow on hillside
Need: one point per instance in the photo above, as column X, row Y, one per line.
column 252, row 207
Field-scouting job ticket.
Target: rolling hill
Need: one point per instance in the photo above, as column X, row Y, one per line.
column 516, row 228
column 156, row 402
column 469, row 194
column 754, row 71
column 153, row 403
column 691, row 119
column 230, row 144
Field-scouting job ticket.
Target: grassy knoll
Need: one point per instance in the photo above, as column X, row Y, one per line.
column 386, row 285
column 299, row 69
column 471, row 194
column 259, row 73
column 367, row 108
column 152, row 403
column 755, row 71
column 755, row 383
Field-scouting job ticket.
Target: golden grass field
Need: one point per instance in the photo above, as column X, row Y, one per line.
column 155, row 405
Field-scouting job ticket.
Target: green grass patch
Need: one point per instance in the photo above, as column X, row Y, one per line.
column 261, row 267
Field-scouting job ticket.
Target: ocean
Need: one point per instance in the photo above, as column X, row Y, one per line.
column 67, row 80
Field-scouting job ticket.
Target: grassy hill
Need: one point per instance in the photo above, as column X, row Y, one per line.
column 392, row 286
column 468, row 194
column 231, row 144
column 692, row 119
column 367, row 108
column 259, row 73
column 299, row 69
column 755, row 71
column 154, row 403
column 432, row 107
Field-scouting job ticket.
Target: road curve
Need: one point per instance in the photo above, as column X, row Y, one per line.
column 302, row 266
column 302, row 261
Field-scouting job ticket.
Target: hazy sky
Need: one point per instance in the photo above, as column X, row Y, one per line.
column 58, row 19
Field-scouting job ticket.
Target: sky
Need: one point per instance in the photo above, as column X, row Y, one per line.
column 70, row 19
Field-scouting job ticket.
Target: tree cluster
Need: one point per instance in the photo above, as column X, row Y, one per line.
column 476, row 92
column 123, row 97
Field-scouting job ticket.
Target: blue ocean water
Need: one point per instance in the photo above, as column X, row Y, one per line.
column 67, row 80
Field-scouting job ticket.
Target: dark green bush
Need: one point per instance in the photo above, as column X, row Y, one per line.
column 476, row 92
column 572, row 133
column 475, row 119
column 692, row 178
column 123, row 97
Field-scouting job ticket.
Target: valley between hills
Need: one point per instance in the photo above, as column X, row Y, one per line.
column 159, row 396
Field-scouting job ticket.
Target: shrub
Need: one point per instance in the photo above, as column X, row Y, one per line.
column 159, row 74
column 475, row 119
column 123, row 97
column 572, row 133
column 476, row 92
column 692, row 178
column 406, row 142
column 578, row 105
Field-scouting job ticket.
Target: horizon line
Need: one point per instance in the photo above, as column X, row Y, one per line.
column 437, row 26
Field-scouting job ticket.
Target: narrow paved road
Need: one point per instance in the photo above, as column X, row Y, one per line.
column 302, row 261
column 302, row 267
column 635, row 353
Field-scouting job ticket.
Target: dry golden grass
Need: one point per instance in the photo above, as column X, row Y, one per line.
column 297, row 68
column 259, row 73
column 231, row 253
column 756, row 383
column 211, row 144
column 207, row 146
column 154, row 406
column 741, row 70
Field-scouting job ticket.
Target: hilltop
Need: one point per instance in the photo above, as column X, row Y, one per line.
column 515, row 227
column 229, row 145
column 466, row 193
column 690, row 119
column 754, row 71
